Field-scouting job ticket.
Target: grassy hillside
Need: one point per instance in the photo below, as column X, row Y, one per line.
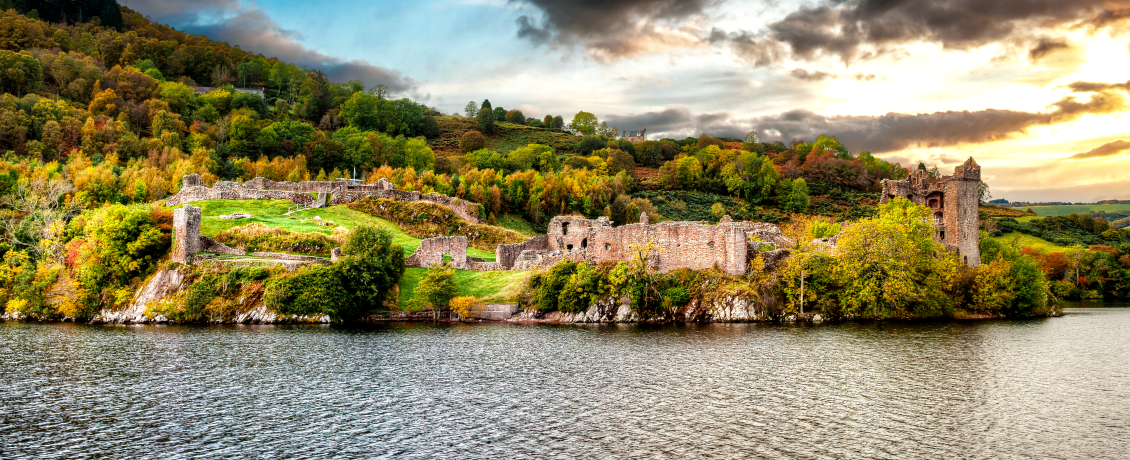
column 496, row 286
column 1028, row 241
column 1063, row 210
column 270, row 213
column 507, row 137
column 994, row 211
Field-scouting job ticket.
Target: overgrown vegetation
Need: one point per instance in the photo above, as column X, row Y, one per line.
column 261, row 238
column 424, row 219
column 371, row 265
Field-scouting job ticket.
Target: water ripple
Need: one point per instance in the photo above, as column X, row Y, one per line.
column 1028, row 389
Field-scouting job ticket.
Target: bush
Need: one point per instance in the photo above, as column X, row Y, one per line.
column 516, row 117
column 465, row 305
column 471, row 141
column 371, row 265
column 549, row 286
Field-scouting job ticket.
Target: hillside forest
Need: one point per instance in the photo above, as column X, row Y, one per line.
column 102, row 115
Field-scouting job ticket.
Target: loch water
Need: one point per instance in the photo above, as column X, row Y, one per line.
column 1043, row 388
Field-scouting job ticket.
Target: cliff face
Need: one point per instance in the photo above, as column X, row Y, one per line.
column 167, row 291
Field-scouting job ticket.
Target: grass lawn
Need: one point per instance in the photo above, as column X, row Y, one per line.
column 496, row 286
column 270, row 213
column 1063, row 210
column 1025, row 241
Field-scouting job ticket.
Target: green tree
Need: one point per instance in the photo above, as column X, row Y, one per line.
column 362, row 111
column 418, row 155
column 891, row 264
column 19, row 73
column 370, row 266
column 471, row 109
column 584, row 122
column 319, row 97
column 437, row 288
column 179, row 97
column 486, row 119
column 516, row 117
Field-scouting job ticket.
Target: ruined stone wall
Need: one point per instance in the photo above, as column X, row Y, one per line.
column 507, row 254
column 186, row 233
column 216, row 247
column 304, row 193
column 431, row 252
column 681, row 245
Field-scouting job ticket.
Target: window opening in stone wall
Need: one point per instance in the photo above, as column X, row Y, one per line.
column 607, row 247
column 568, row 247
column 584, row 243
column 710, row 245
column 564, row 228
column 447, row 258
column 942, row 236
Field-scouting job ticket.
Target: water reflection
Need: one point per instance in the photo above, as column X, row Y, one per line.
column 1029, row 389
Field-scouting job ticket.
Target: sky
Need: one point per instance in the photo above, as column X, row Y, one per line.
column 1037, row 91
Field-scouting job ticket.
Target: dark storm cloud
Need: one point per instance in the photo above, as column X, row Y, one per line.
column 610, row 29
column 885, row 133
column 1105, row 150
column 253, row 30
column 846, row 29
column 859, row 29
column 1044, row 47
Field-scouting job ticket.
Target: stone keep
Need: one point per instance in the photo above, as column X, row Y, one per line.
column 186, row 233
column 954, row 202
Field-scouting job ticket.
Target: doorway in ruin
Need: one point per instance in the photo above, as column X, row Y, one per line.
column 564, row 228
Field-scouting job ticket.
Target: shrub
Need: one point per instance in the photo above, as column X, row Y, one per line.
column 464, row 305
column 516, row 117
column 582, row 289
column 549, row 286
column 471, row 141
column 370, row 267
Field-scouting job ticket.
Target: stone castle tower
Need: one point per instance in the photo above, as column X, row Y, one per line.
column 954, row 201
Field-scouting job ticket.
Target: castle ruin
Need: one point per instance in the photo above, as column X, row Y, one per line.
column 312, row 193
column 954, row 202
column 728, row 246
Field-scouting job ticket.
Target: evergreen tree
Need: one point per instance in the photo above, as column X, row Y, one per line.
column 486, row 119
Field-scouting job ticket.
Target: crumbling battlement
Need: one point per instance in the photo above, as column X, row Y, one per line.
column 954, row 201
column 307, row 192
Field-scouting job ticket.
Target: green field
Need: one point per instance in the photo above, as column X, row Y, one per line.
column 495, row 286
column 1028, row 241
column 1063, row 210
column 270, row 213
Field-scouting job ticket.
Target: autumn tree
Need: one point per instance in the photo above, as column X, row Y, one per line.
column 437, row 288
